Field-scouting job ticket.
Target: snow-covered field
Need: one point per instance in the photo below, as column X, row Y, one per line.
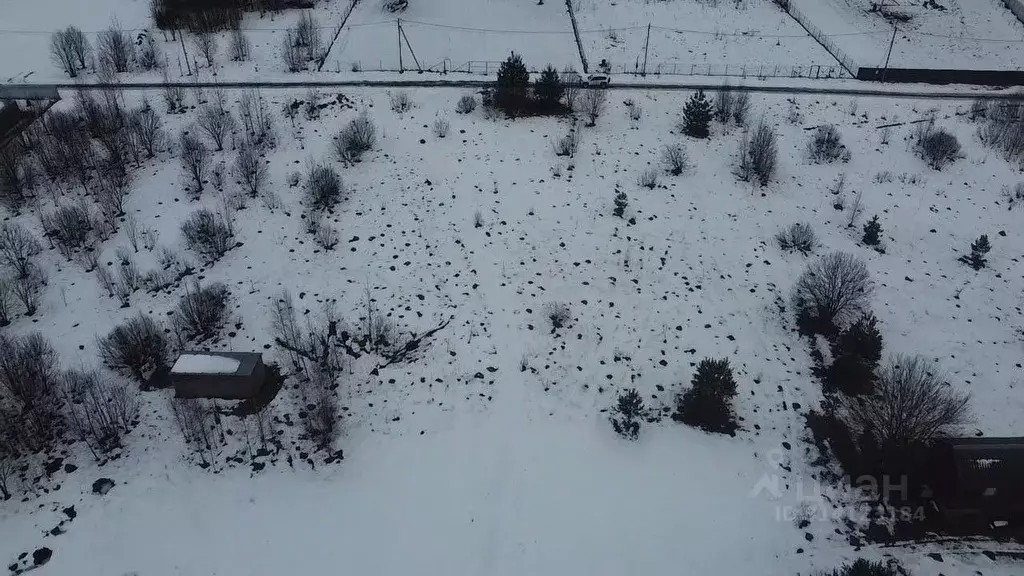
column 456, row 34
column 968, row 34
column 488, row 453
column 687, row 34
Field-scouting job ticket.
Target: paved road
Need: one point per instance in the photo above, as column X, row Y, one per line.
column 903, row 91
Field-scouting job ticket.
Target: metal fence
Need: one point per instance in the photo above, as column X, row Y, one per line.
column 824, row 39
column 736, row 70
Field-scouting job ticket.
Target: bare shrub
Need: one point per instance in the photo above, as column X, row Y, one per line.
column 101, row 407
column 193, row 418
column 937, row 147
column 174, row 95
column 400, row 101
column 216, row 122
column 466, row 105
column 201, row 312
column 257, row 121
column 798, row 237
column 741, row 108
column 1014, row 196
column 441, row 127
column 79, row 45
column 115, row 49
column 323, row 187
column 724, row 104
column 28, row 373
column 111, row 194
column 759, row 155
column 831, row 292
column 307, row 36
column 292, row 56
column 326, row 236
column 18, row 248
column 675, row 158
column 321, row 422
column 592, row 104
column 195, row 159
column 150, row 56
column 135, row 347
column 568, row 145
column 29, row 290
column 357, row 137
column 571, row 83
column 826, row 144
column 207, row 234
column 648, row 179
column 70, row 226
column 239, row 46
column 131, row 277
column 250, row 171
column 558, row 314
column 912, row 404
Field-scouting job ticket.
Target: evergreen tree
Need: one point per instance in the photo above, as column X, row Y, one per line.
column 620, row 203
column 707, row 404
column 548, row 88
column 697, row 115
column 857, row 352
column 979, row 248
column 872, row 232
column 513, row 83
column 628, row 411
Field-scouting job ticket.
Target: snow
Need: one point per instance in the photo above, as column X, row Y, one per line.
column 687, row 35
column 461, row 461
column 204, row 364
column 969, row 34
column 987, row 462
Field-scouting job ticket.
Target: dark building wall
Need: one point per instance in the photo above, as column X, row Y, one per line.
column 938, row 76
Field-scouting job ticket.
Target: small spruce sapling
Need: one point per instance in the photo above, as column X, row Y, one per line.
column 627, row 413
column 872, row 233
column 697, row 115
column 620, row 203
column 979, row 248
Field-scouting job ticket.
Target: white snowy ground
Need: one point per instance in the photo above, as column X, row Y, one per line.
column 971, row 34
column 449, row 34
column 686, row 34
column 512, row 472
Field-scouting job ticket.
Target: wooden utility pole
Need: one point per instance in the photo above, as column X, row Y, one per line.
column 411, row 51
column 400, row 69
column 889, row 54
column 647, row 43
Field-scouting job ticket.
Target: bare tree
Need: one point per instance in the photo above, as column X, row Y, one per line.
column 201, row 312
column 17, row 176
column 148, row 129
column 741, row 108
column 832, row 291
column 70, row 226
column 291, row 53
column 216, row 123
column 250, row 171
column 28, row 372
column 29, row 290
column 63, row 53
column 195, row 159
column 307, row 36
column 592, row 104
column 911, row 404
column 240, row 46
column 257, row 121
column 206, row 43
column 101, row 407
column 115, row 48
column 18, row 248
column 112, row 193
column 6, row 300
column 79, row 45
column 324, row 187
column 571, row 83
